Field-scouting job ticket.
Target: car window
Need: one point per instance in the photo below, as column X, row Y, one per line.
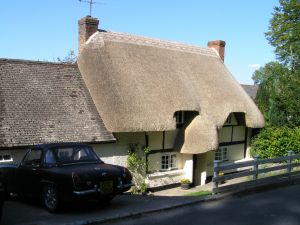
column 75, row 154
column 33, row 158
column 49, row 158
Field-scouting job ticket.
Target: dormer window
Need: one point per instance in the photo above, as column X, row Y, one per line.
column 179, row 117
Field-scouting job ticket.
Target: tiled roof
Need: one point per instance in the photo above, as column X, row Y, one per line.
column 251, row 90
column 43, row 102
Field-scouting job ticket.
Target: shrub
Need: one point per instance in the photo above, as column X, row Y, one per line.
column 137, row 165
column 275, row 142
column 185, row 181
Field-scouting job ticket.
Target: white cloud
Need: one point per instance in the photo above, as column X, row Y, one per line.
column 254, row 66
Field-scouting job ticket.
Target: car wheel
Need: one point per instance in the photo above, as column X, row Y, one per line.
column 51, row 198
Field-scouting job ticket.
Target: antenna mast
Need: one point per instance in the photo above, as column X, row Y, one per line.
column 91, row 3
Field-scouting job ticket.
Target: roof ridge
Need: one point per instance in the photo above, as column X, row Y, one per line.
column 147, row 41
column 35, row 62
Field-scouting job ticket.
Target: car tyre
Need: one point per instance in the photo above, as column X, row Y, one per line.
column 51, row 198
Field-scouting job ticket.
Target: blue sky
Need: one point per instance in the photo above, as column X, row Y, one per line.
column 46, row 29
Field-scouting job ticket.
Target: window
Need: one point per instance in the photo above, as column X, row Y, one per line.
column 75, row 154
column 33, row 158
column 49, row 158
column 228, row 120
column 221, row 154
column 6, row 158
column 168, row 161
column 179, row 117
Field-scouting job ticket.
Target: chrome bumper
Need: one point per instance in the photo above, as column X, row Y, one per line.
column 98, row 190
column 87, row 192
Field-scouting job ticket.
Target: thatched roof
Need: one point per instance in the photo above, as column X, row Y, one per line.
column 138, row 84
column 43, row 102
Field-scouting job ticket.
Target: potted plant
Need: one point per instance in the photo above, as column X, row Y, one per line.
column 185, row 183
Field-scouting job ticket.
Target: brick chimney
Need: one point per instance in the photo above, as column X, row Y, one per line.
column 87, row 26
column 219, row 46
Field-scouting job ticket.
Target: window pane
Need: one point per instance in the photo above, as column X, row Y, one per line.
column 6, row 157
column 49, row 158
column 173, row 161
column 33, row 157
column 165, row 162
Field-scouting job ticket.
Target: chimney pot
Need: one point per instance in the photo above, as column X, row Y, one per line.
column 219, row 46
column 87, row 27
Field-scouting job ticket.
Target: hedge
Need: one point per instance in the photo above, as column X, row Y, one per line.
column 275, row 142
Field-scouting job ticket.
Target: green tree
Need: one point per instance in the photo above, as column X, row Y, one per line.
column 284, row 33
column 278, row 95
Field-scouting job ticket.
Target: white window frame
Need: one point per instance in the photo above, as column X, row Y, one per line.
column 222, row 154
column 6, row 160
column 169, row 163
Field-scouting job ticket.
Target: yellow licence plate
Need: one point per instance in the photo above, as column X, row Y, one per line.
column 106, row 187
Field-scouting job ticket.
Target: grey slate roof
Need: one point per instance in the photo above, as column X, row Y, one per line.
column 43, row 102
column 251, row 90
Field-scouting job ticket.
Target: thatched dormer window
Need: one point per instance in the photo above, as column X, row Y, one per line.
column 179, row 115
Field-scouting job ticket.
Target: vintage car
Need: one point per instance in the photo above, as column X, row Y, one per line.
column 58, row 173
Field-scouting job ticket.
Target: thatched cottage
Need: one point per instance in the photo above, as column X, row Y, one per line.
column 127, row 91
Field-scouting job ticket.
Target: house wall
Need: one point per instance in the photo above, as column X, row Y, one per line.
column 161, row 143
column 158, row 143
column 235, row 138
column 116, row 153
column 162, row 178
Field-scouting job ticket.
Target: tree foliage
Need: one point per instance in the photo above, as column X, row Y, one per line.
column 284, row 33
column 278, row 95
column 276, row 141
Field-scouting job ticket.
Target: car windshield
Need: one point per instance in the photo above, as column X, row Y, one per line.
column 75, row 154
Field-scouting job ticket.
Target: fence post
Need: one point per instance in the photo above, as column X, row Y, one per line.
column 289, row 161
column 255, row 167
column 216, row 170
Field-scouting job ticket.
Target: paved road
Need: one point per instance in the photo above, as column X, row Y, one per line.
column 274, row 207
column 33, row 213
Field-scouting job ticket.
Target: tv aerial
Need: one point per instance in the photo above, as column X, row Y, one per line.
column 91, row 3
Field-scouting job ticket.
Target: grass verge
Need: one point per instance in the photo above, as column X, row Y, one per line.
column 199, row 193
